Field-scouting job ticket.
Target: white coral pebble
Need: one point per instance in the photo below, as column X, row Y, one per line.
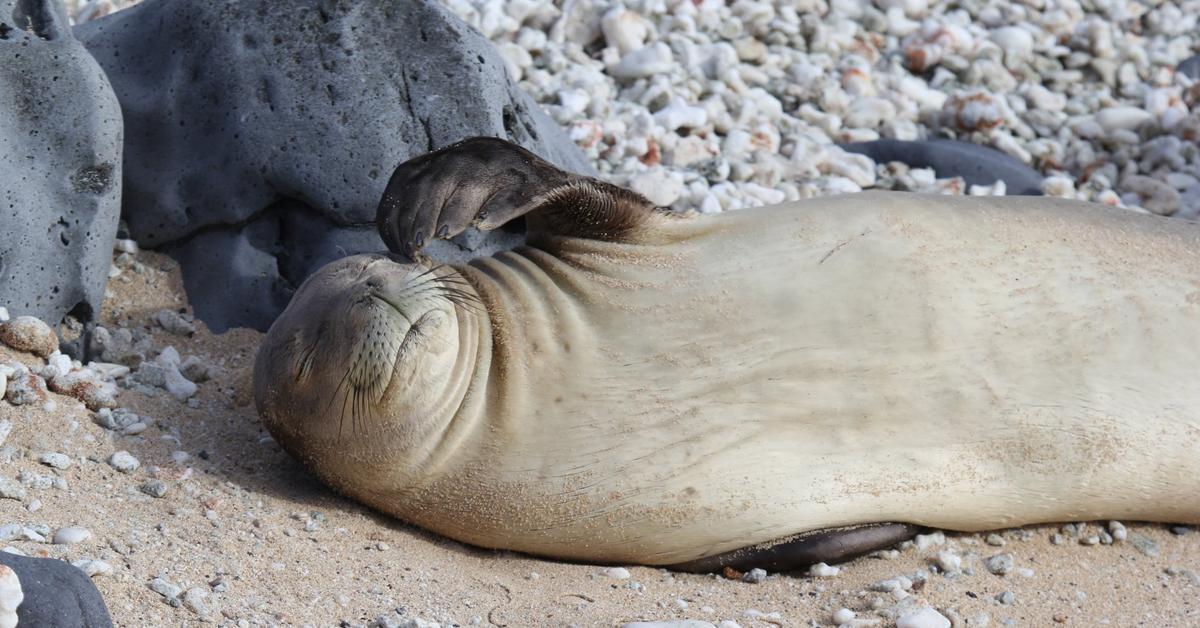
column 10, row 597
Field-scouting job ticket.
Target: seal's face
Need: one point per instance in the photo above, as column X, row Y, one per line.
column 358, row 353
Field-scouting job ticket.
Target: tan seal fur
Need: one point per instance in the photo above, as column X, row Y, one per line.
column 712, row 382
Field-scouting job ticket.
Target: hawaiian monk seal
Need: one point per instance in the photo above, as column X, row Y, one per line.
column 749, row 388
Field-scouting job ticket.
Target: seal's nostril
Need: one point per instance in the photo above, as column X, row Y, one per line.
column 374, row 283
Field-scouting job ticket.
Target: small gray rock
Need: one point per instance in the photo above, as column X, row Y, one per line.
column 616, row 573
column 151, row 374
column 193, row 600
column 92, row 568
column 11, row 489
column 924, row 617
column 174, row 322
column 154, row 488
column 1006, row 598
column 1143, row 544
column 196, row 370
column 1000, row 564
column 124, row 462
column 71, row 535
column 163, row 372
column 170, row 592
column 755, row 576
column 35, row 481
column 387, row 620
column 122, row 346
column 1157, row 196
column 117, row 420
column 56, row 460
column 26, row 389
column 9, row 532
column 179, row 385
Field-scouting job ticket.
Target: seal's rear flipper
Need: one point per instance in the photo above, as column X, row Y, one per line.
column 797, row 552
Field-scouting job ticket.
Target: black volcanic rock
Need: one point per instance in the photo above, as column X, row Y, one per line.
column 261, row 134
column 56, row 594
column 977, row 165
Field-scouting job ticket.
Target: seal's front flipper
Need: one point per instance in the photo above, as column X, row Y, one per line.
column 485, row 182
column 798, row 552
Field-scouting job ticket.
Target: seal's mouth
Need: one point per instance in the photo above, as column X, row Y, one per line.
column 396, row 319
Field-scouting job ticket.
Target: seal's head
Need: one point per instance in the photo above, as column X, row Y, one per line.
column 362, row 365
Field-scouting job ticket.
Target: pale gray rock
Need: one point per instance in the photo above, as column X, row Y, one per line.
column 60, row 166
column 92, row 567
column 1144, row 544
column 11, row 489
column 1000, row 564
column 925, row 617
column 168, row 590
column 123, row 346
column 55, row 459
column 175, row 322
column 124, row 462
column 71, row 535
column 755, row 576
column 26, row 389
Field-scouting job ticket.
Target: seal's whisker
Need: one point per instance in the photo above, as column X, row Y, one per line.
column 333, row 397
column 431, row 270
column 454, row 279
column 356, row 408
column 448, row 278
column 342, row 416
column 454, row 294
column 459, row 297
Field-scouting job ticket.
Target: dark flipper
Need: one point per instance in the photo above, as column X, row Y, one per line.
column 797, row 552
column 485, row 182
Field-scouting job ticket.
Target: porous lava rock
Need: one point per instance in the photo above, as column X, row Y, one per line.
column 56, row 594
column 261, row 134
column 60, row 167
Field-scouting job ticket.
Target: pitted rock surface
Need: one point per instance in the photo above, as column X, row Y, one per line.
column 261, row 134
column 60, row 167
column 56, row 594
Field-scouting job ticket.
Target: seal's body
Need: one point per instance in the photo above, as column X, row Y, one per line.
column 699, row 384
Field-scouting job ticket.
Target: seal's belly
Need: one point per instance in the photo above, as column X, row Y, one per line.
column 780, row 370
